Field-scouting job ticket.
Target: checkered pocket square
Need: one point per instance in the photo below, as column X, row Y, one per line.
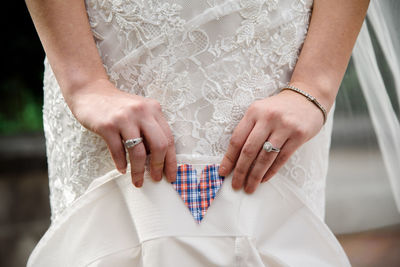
column 198, row 195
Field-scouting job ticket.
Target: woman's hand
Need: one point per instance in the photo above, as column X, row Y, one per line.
column 67, row 38
column 286, row 120
column 118, row 116
column 66, row 35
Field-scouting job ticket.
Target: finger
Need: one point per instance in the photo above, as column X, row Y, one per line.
column 158, row 144
column 264, row 160
column 248, row 153
column 170, row 163
column 117, row 150
column 287, row 150
column 137, row 156
column 236, row 143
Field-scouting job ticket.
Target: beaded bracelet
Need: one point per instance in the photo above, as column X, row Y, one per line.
column 309, row 97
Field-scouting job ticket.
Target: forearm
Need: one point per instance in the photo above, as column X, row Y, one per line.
column 64, row 31
column 96, row 103
column 323, row 60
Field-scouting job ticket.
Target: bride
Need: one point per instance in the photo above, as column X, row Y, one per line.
column 231, row 101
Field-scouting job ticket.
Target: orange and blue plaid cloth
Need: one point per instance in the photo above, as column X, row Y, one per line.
column 198, row 195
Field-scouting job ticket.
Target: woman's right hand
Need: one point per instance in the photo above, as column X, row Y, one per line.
column 67, row 38
column 116, row 116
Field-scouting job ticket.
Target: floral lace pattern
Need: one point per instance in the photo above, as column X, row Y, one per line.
column 204, row 61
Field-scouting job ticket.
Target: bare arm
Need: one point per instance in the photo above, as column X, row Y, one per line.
column 65, row 33
column 334, row 28
column 288, row 119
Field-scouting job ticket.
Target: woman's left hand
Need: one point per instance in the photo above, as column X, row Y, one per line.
column 286, row 120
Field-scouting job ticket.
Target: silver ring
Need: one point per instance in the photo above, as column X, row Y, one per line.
column 133, row 142
column 270, row 148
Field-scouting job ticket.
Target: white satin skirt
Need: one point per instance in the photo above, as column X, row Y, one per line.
column 116, row 224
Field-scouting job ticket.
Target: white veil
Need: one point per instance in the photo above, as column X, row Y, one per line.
column 382, row 21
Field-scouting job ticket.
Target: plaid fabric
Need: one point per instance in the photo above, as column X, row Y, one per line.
column 198, row 195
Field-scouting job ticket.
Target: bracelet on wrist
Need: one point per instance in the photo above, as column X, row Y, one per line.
column 309, row 97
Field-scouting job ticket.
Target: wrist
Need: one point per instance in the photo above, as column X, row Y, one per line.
column 324, row 93
column 77, row 82
column 307, row 96
column 75, row 91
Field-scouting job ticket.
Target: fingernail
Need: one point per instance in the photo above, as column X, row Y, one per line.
column 236, row 186
column 122, row 171
column 248, row 189
column 221, row 170
column 138, row 184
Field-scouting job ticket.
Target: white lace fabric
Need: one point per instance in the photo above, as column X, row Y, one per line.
column 205, row 62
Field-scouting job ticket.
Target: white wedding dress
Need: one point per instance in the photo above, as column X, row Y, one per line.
column 205, row 62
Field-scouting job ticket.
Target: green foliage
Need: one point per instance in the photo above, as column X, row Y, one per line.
column 20, row 110
column 350, row 99
column 22, row 74
column 21, row 82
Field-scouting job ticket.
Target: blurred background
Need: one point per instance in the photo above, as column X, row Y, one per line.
column 360, row 206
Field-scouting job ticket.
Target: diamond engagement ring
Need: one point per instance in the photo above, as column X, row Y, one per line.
column 269, row 147
column 133, row 142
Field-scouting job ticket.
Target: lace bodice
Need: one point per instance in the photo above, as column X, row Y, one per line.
column 204, row 61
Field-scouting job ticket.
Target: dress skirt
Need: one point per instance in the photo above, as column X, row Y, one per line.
column 116, row 224
column 205, row 62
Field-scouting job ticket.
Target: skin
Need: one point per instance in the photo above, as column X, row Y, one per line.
column 64, row 31
column 287, row 120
